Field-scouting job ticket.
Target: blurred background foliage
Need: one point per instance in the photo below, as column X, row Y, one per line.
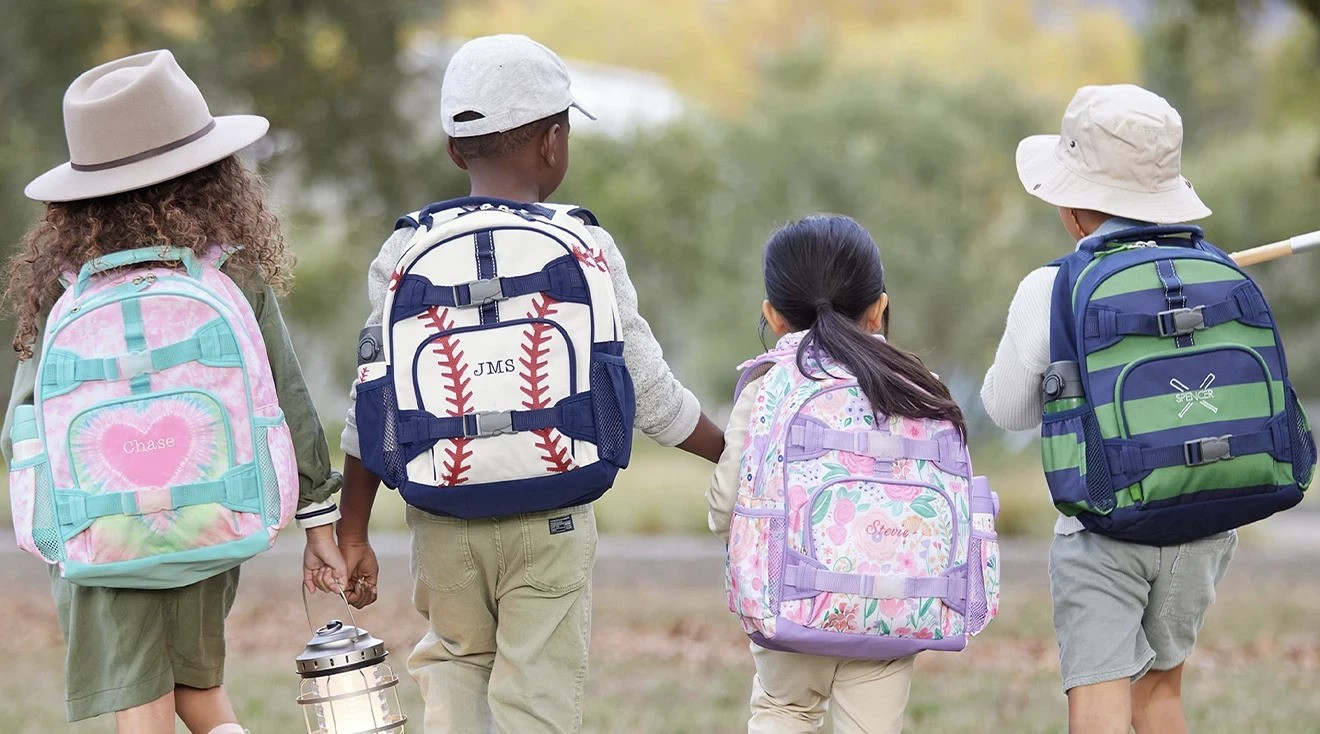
column 902, row 113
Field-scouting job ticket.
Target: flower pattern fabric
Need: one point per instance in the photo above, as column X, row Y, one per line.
column 846, row 513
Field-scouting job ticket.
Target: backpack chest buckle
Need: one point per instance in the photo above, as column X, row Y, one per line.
column 133, row 364
column 1202, row 451
column 1180, row 321
column 479, row 292
column 491, row 423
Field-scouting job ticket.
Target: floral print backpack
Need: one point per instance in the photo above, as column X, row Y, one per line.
column 854, row 534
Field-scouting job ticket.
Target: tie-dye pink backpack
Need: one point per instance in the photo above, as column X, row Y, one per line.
column 155, row 454
column 855, row 535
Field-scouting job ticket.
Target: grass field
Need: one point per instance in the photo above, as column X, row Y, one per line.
column 672, row 661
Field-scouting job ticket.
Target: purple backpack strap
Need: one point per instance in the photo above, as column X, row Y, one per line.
column 752, row 370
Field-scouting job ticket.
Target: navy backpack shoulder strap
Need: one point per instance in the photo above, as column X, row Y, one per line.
column 1063, row 334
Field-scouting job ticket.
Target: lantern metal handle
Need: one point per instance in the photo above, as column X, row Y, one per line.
column 357, row 631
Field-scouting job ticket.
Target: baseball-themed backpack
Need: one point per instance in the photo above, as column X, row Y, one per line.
column 155, row 454
column 498, row 385
column 855, row 534
column 1168, row 414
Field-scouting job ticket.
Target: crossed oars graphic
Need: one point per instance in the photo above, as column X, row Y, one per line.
column 1193, row 397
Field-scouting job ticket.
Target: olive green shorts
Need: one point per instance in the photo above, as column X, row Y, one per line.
column 129, row 647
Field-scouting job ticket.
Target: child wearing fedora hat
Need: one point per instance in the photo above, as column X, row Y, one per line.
column 1126, row 615
column 149, row 165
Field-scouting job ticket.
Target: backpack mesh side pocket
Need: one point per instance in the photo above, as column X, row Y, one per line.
column 45, row 526
column 613, row 402
column 977, row 609
column 1076, row 467
column 775, row 560
column 1302, row 440
column 1099, row 483
column 270, row 484
column 982, row 583
column 377, row 413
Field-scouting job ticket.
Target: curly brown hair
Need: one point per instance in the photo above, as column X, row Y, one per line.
column 223, row 203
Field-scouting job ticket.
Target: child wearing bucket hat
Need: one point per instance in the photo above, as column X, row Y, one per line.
column 151, row 228
column 1126, row 614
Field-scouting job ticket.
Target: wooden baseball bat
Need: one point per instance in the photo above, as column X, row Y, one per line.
column 1276, row 250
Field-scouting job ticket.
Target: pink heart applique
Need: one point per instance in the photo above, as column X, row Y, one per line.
column 150, row 457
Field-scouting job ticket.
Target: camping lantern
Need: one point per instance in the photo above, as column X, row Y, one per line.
column 346, row 686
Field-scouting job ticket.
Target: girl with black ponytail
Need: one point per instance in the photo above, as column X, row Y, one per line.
column 824, row 276
column 825, row 286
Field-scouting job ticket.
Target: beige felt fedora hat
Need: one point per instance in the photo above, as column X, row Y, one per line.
column 136, row 122
column 1120, row 153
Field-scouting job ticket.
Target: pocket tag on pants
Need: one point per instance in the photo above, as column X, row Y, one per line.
column 561, row 524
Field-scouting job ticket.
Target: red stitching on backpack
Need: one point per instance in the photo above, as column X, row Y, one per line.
column 591, row 258
column 535, row 349
column 454, row 371
column 395, row 277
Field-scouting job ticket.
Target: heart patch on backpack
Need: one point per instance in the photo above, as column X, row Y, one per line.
column 156, row 442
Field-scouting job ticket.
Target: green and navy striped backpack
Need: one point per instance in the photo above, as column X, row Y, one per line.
column 1168, row 413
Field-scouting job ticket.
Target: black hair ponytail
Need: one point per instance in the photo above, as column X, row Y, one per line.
column 822, row 273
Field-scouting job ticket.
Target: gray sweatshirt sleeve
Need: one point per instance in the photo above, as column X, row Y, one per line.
column 378, row 284
column 667, row 412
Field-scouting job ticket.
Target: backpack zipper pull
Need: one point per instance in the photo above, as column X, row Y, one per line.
column 143, row 282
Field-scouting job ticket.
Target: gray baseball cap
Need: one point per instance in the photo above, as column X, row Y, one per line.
column 509, row 80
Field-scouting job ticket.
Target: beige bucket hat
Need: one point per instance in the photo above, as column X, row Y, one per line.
column 136, row 122
column 1120, row 153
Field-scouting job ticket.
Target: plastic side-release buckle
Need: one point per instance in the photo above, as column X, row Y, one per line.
column 492, row 423
column 1202, row 451
column 1180, row 321
column 480, row 292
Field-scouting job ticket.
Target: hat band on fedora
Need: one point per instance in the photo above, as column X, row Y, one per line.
column 144, row 154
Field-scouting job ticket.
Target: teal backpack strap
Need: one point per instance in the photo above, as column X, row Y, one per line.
column 123, row 258
column 217, row 255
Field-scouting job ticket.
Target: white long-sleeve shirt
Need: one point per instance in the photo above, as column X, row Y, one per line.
column 722, row 494
column 667, row 412
column 1011, row 392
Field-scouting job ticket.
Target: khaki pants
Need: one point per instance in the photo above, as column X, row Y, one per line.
column 791, row 693
column 509, row 602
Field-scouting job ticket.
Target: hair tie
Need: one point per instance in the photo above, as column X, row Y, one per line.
column 823, row 305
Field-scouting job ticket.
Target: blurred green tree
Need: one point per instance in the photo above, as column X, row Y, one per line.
column 328, row 74
column 925, row 164
column 918, row 146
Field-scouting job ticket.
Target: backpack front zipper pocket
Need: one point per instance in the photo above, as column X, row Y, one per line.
column 1191, row 395
column 881, row 527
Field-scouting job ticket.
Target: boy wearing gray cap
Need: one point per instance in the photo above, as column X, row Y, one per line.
column 1126, row 615
column 509, row 598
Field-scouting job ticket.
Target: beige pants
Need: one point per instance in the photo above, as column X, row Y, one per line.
column 509, row 602
column 791, row 693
